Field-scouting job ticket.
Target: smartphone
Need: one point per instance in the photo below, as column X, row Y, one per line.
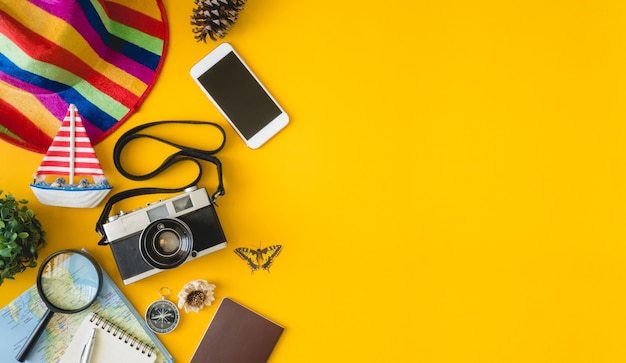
column 239, row 95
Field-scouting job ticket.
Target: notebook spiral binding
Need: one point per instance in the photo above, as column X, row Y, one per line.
column 122, row 334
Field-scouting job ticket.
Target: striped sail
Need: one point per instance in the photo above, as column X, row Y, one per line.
column 71, row 152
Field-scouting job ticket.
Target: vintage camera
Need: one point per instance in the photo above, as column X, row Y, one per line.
column 164, row 234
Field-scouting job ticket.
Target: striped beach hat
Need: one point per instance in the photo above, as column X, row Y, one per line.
column 101, row 55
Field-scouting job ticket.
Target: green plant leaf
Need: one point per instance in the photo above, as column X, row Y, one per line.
column 21, row 235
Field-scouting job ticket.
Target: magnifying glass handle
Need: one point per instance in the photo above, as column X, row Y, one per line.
column 21, row 356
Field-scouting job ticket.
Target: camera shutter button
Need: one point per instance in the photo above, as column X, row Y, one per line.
column 116, row 216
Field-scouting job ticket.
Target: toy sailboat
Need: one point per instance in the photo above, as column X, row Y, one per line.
column 71, row 154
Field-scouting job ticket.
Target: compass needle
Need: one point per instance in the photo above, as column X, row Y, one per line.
column 162, row 316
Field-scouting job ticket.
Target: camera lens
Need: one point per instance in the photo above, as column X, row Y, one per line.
column 166, row 243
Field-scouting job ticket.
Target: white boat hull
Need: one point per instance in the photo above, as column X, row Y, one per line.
column 71, row 198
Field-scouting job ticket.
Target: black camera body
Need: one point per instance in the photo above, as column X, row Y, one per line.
column 164, row 234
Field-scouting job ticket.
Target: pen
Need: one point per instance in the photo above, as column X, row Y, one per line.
column 85, row 356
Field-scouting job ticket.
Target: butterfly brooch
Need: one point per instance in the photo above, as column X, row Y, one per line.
column 260, row 258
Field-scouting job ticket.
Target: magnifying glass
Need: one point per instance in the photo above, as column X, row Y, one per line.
column 68, row 281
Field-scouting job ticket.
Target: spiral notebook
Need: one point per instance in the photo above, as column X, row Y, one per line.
column 112, row 344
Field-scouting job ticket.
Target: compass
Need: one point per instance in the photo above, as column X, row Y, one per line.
column 162, row 315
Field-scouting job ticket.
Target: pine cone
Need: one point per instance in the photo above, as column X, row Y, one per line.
column 214, row 17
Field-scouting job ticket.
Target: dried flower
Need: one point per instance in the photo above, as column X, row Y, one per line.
column 195, row 295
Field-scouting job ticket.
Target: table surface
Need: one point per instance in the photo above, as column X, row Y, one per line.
column 451, row 187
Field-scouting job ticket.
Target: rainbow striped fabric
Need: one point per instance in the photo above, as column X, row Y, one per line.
column 101, row 55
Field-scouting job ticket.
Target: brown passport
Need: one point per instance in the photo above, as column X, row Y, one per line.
column 237, row 334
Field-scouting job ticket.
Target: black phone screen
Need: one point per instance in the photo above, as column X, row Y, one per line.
column 240, row 96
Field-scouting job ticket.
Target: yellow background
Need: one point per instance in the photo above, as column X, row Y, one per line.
column 451, row 187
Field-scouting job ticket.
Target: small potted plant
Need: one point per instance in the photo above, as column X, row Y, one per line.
column 21, row 236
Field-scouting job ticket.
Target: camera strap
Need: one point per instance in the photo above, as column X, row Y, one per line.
column 184, row 153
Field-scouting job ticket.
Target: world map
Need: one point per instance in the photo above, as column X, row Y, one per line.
column 20, row 317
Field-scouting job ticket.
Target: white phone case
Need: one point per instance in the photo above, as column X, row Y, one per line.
column 255, row 128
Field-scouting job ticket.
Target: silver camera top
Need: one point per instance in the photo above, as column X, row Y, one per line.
column 123, row 224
